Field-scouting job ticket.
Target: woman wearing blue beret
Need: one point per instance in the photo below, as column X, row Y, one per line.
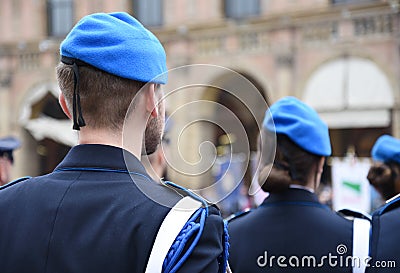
column 291, row 231
column 384, row 176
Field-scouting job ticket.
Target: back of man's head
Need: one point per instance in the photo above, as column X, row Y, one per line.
column 105, row 60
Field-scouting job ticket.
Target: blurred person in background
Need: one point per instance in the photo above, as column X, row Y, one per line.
column 7, row 146
column 291, row 221
column 384, row 174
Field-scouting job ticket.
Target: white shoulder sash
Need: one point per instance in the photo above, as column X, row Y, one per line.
column 169, row 230
column 361, row 229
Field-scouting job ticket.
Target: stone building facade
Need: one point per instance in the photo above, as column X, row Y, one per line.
column 229, row 59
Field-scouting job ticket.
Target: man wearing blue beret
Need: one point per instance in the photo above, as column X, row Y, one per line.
column 99, row 210
column 7, row 146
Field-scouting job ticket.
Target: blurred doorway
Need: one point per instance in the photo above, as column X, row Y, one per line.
column 49, row 131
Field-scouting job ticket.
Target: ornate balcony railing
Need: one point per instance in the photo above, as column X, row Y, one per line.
column 259, row 36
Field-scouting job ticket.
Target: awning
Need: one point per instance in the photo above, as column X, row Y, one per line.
column 42, row 127
column 350, row 92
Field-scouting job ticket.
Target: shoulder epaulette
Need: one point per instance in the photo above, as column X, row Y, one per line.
column 16, row 181
column 391, row 204
column 186, row 192
column 351, row 214
column 189, row 234
column 237, row 215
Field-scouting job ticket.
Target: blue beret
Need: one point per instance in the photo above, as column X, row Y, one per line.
column 300, row 123
column 8, row 144
column 118, row 44
column 386, row 149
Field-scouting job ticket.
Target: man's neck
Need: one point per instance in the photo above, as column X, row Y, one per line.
column 112, row 138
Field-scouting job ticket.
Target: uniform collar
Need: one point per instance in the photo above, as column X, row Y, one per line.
column 295, row 186
column 101, row 156
column 292, row 195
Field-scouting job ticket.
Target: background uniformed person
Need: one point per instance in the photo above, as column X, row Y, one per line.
column 99, row 211
column 7, row 146
column 385, row 177
column 291, row 222
column 384, row 174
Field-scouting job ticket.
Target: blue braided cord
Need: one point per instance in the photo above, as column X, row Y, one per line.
column 172, row 251
column 194, row 243
column 175, row 249
column 190, row 224
column 179, row 246
column 223, row 259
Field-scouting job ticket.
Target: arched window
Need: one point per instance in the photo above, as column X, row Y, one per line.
column 354, row 97
column 350, row 92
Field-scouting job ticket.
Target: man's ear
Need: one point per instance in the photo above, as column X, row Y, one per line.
column 63, row 104
column 151, row 100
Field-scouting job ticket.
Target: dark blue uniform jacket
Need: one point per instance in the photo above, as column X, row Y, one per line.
column 89, row 215
column 385, row 239
column 290, row 224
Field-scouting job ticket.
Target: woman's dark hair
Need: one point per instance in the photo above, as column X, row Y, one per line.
column 383, row 177
column 291, row 163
